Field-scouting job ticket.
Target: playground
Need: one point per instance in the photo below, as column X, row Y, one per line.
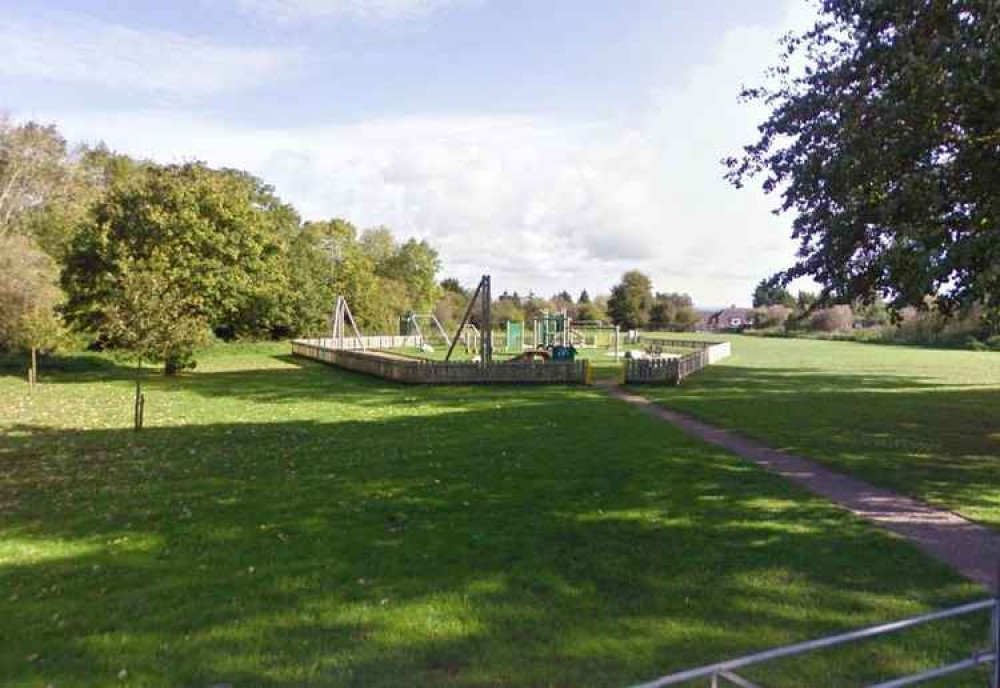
column 548, row 348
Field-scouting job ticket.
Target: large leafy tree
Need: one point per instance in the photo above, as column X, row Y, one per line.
column 33, row 167
column 631, row 300
column 886, row 148
column 348, row 270
column 767, row 293
column 225, row 234
column 672, row 311
column 415, row 264
column 28, row 291
column 45, row 187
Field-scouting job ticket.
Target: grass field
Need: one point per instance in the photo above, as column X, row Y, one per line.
column 921, row 421
column 282, row 523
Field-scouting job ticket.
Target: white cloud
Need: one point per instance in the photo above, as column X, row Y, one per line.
column 71, row 48
column 379, row 10
column 536, row 202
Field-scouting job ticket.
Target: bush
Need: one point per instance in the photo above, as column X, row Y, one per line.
column 771, row 316
column 974, row 344
column 832, row 319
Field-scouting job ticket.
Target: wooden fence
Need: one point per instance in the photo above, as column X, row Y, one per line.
column 369, row 342
column 673, row 370
column 417, row 371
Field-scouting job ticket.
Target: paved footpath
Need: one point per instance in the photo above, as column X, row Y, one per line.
column 968, row 547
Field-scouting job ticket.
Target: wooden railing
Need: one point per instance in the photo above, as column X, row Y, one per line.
column 673, row 369
column 417, row 371
column 369, row 342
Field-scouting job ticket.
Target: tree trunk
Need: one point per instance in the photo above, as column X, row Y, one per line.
column 171, row 366
column 140, row 401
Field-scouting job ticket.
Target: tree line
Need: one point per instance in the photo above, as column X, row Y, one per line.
column 105, row 250
column 110, row 251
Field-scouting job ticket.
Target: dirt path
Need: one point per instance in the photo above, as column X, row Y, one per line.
column 968, row 547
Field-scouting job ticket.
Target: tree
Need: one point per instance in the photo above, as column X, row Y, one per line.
column 832, row 319
column 225, row 234
column 767, row 293
column 154, row 320
column 450, row 308
column 41, row 329
column 32, row 164
column 453, row 285
column 631, row 300
column 884, row 148
column 590, row 312
column 416, row 265
column 805, row 302
column 349, row 271
column 584, row 297
column 379, row 244
column 503, row 310
column 672, row 311
column 771, row 316
column 28, row 287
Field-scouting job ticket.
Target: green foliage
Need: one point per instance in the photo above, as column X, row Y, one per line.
column 590, row 311
column 28, row 292
column 450, row 308
column 381, row 279
column 631, row 300
column 33, row 168
column 453, row 285
column 43, row 330
column 672, row 311
column 884, row 148
column 771, row 316
column 415, row 264
column 504, row 310
column 225, row 233
column 767, row 293
column 153, row 319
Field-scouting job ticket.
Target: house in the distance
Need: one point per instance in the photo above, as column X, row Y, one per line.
column 731, row 318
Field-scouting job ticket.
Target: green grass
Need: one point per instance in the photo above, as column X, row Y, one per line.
column 923, row 422
column 282, row 523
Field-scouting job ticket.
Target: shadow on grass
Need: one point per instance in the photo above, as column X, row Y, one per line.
column 84, row 367
column 562, row 540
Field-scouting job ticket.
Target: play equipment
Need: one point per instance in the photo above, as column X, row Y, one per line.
column 341, row 316
column 515, row 336
column 532, row 356
column 432, row 327
column 482, row 295
column 563, row 353
column 551, row 329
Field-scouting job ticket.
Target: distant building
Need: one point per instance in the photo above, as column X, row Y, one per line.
column 731, row 318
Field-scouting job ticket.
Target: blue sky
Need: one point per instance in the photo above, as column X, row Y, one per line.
column 552, row 143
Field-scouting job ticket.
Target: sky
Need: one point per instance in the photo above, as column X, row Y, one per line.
column 553, row 144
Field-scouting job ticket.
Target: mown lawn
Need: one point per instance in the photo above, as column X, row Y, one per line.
column 282, row 523
column 924, row 422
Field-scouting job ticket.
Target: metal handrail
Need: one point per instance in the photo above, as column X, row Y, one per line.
column 714, row 670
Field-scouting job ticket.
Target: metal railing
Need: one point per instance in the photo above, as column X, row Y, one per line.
column 724, row 673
